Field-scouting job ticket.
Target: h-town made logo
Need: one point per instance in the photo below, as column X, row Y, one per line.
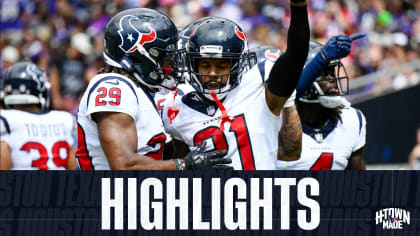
column 392, row 218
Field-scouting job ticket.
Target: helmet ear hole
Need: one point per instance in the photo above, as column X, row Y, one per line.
column 127, row 64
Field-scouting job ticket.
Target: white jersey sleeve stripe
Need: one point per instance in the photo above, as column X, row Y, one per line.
column 359, row 116
column 150, row 97
column 6, row 124
column 261, row 68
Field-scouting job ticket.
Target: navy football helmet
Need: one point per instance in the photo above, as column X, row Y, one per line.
column 217, row 38
column 336, row 71
column 265, row 53
column 26, row 83
column 143, row 42
column 184, row 34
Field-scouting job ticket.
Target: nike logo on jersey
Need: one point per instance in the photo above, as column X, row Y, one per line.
column 116, row 82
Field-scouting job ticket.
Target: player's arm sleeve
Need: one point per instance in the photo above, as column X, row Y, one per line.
column 361, row 135
column 286, row 71
column 108, row 97
column 311, row 71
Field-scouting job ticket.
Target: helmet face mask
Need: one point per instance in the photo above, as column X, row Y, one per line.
column 217, row 39
column 140, row 40
column 335, row 80
column 26, row 83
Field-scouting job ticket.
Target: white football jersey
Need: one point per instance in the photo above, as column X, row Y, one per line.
column 330, row 148
column 38, row 141
column 161, row 97
column 251, row 136
column 113, row 92
column 165, row 95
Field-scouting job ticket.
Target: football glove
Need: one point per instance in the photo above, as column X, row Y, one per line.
column 339, row 46
column 200, row 160
column 336, row 48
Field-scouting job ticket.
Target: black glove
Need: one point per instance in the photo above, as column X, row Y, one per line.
column 200, row 160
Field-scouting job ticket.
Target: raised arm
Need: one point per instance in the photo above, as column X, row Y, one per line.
column 336, row 48
column 284, row 75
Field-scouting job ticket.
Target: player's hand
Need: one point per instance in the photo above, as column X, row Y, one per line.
column 200, row 160
column 339, row 46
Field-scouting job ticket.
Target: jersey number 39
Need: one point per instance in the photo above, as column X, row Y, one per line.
column 41, row 163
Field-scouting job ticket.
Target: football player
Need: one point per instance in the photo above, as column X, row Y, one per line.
column 334, row 133
column 290, row 135
column 118, row 123
column 31, row 136
column 230, row 109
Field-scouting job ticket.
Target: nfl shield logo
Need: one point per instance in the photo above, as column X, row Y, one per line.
column 319, row 137
column 210, row 110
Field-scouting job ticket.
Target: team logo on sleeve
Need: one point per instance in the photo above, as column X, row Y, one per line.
column 131, row 38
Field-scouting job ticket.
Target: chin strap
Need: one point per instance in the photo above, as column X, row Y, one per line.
column 225, row 116
column 172, row 110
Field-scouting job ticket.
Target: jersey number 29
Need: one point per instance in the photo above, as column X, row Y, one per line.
column 114, row 94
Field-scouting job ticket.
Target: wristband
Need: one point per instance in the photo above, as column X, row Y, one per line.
column 179, row 164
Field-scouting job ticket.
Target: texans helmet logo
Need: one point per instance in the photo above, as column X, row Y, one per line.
column 240, row 34
column 35, row 72
column 131, row 38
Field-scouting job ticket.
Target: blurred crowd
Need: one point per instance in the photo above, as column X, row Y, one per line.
column 65, row 37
